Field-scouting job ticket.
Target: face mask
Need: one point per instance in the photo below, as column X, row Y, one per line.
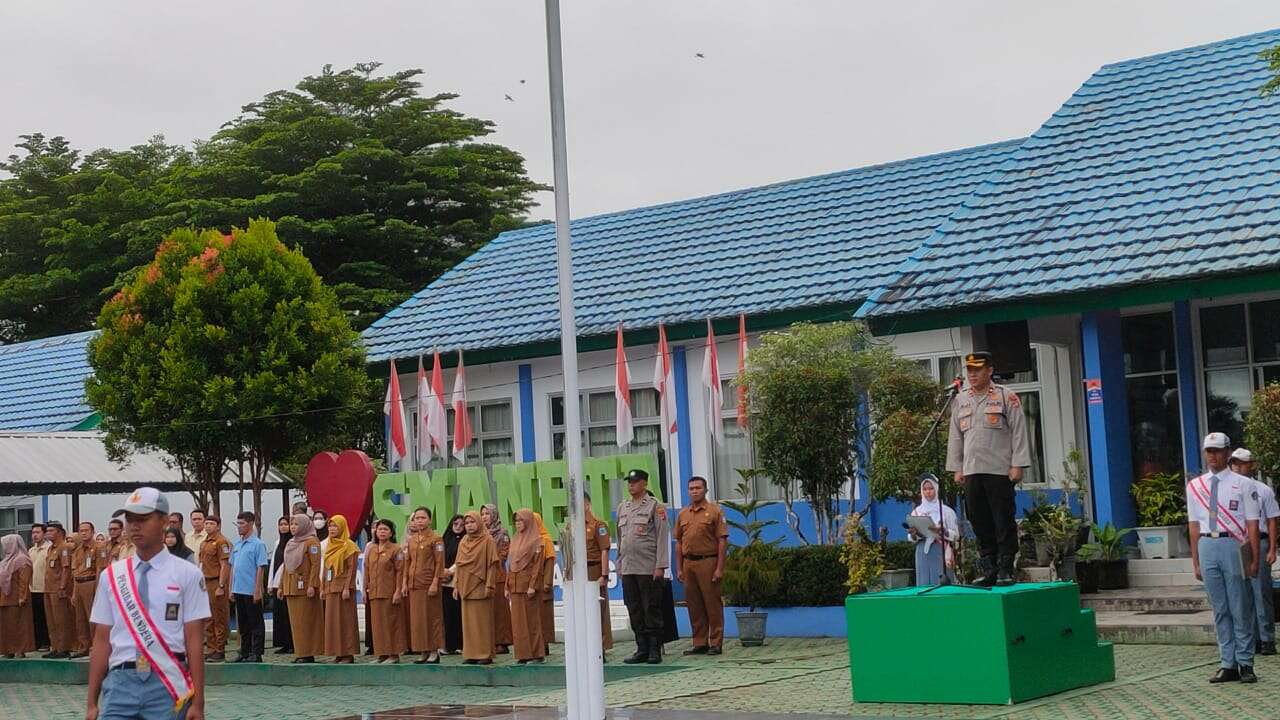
column 319, row 524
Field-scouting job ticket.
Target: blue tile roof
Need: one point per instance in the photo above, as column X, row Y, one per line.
column 1164, row 168
column 42, row 383
column 818, row 241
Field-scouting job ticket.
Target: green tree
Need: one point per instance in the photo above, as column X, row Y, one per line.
column 804, row 389
column 1272, row 56
column 904, row 404
column 1262, row 430
column 382, row 187
column 69, row 226
column 225, row 348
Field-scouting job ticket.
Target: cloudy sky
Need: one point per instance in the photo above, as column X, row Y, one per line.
column 788, row 88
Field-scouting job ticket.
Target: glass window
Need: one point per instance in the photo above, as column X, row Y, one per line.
column 1032, row 410
column 17, row 519
column 737, row 452
column 1264, row 324
column 8, row 518
column 599, row 422
column 26, row 516
column 1223, row 335
column 1228, row 396
column 1155, row 425
column 1148, row 343
column 949, row 369
column 493, row 441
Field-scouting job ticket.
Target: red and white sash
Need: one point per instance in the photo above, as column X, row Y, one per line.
column 174, row 675
column 1226, row 519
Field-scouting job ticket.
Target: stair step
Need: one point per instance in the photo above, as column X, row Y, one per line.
column 1152, row 580
column 1160, row 567
column 1174, row 598
column 1156, row 629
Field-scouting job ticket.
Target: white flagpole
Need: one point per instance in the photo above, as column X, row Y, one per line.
column 584, row 670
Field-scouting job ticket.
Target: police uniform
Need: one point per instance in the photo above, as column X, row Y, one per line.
column 644, row 547
column 87, row 560
column 215, row 553
column 1222, row 506
column 699, row 530
column 173, row 593
column 987, row 438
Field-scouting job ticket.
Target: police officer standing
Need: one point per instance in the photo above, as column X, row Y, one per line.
column 702, row 539
column 987, row 449
column 644, row 552
column 1222, row 520
column 148, row 664
column 1242, row 463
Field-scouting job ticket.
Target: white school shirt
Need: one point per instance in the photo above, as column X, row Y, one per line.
column 1267, row 504
column 1237, row 498
column 171, row 583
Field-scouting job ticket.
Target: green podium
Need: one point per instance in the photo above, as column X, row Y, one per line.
column 972, row 646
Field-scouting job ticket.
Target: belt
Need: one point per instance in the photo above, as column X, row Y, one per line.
column 698, row 557
column 214, row 577
column 1216, row 535
column 88, row 579
column 1262, row 536
column 133, row 665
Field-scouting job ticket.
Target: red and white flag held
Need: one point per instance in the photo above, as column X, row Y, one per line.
column 664, row 381
column 622, row 395
column 742, row 368
column 711, row 380
column 461, row 421
column 436, row 420
column 393, row 409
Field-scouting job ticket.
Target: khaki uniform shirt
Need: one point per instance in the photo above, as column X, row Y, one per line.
column 120, row 550
column 426, row 559
column 988, row 433
column 699, row 529
column 58, row 578
column 39, row 558
column 84, row 560
column 214, row 551
column 644, row 537
column 598, row 543
column 383, row 563
column 195, row 539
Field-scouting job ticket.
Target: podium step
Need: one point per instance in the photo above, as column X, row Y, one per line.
column 1191, row 627
column 1148, row 599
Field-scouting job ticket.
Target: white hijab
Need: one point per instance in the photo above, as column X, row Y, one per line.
column 939, row 513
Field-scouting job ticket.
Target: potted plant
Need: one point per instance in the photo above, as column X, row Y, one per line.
column 1087, row 569
column 899, row 561
column 1033, row 525
column 1059, row 530
column 1162, row 516
column 751, row 571
column 1106, row 557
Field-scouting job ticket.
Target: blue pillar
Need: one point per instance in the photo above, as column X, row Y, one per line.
column 1187, row 403
column 680, row 368
column 863, row 446
column 528, row 448
column 1110, row 460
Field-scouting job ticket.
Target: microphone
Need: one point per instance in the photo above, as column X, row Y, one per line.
column 955, row 386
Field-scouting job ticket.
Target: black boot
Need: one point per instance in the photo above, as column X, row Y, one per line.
column 1005, row 577
column 987, row 578
column 655, row 650
column 642, row 650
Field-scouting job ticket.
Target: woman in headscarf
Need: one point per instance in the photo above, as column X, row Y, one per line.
column 421, row 589
column 450, row 605
column 383, row 568
column 524, row 580
column 281, row 632
column 177, row 545
column 547, row 593
column 300, row 586
column 501, row 610
column 338, row 587
column 933, row 551
column 474, row 584
column 17, row 630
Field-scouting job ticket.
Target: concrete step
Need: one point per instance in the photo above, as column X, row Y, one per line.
column 1163, row 580
column 1119, row 626
column 1179, row 598
column 1160, row 567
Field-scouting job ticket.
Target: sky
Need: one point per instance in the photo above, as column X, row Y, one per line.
column 787, row 88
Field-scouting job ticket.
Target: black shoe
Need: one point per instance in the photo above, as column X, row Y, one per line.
column 242, row 658
column 215, row 657
column 56, row 655
column 1005, row 579
column 714, row 650
column 503, row 650
column 987, row 578
column 486, row 661
column 642, row 651
column 1227, row 675
column 285, row 651
column 78, row 655
column 697, row 650
column 655, row 651
column 537, row 661
column 1268, row 648
column 304, row 660
column 1246, row 674
column 470, row 662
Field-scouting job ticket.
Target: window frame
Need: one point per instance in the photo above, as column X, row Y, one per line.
column 586, row 423
column 1202, row 370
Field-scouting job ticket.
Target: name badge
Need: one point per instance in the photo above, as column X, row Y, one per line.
column 329, row 574
column 1234, row 505
column 171, row 611
column 88, row 562
column 301, row 584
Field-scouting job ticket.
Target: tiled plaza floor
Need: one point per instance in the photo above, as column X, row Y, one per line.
column 787, row 676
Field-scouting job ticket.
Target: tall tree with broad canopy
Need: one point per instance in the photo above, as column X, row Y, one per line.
column 226, row 348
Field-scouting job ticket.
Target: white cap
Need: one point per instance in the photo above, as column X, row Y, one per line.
column 1242, row 454
column 1216, row 440
column 144, row 501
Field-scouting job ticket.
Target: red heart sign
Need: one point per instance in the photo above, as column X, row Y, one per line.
column 342, row 485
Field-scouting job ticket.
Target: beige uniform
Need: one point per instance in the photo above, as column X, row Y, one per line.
column 57, row 598
column 988, row 433
column 644, row 547
column 213, row 554
column 86, row 562
column 699, row 530
column 423, row 572
column 598, row 544
column 301, row 590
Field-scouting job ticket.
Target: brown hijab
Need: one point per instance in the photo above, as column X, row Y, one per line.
column 296, row 551
column 13, row 557
column 476, row 553
column 527, row 542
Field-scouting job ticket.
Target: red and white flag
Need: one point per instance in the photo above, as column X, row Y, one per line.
column 422, row 451
column 711, row 380
column 461, row 421
column 742, row 368
column 664, row 381
column 436, row 419
column 393, row 409
column 622, row 395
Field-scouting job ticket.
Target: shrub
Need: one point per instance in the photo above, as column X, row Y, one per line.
column 1161, row 500
column 1262, row 428
column 900, row 555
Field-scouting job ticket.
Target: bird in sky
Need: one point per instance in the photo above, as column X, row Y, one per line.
column 700, row 56
column 509, row 98
column 521, row 82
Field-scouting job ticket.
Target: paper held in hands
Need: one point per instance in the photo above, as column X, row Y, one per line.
column 923, row 526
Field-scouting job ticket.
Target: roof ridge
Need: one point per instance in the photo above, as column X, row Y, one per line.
column 1191, row 48
column 51, row 341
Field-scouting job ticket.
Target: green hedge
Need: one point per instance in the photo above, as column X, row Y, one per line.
column 812, row 575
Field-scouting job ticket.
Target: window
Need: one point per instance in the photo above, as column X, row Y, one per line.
column 599, row 423
column 493, row 439
column 1151, row 383
column 18, row 519
column 1240, row 349
column 738, row 451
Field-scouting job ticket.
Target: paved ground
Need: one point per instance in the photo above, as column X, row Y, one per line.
column 788, row 676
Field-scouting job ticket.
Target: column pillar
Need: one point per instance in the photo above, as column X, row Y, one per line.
column 1107, row 413
column 528, row 448
column 684, row 442
column 1188, row 404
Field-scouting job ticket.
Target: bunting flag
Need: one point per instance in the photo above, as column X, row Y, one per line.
column 664, row 381
column 436, row 418
column 711, row 380
column 422, row 451
column 393, row 410
column 622, row 395
column 461, row 421
column 742, row 368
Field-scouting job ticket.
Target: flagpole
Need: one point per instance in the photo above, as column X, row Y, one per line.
column 583, row 666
